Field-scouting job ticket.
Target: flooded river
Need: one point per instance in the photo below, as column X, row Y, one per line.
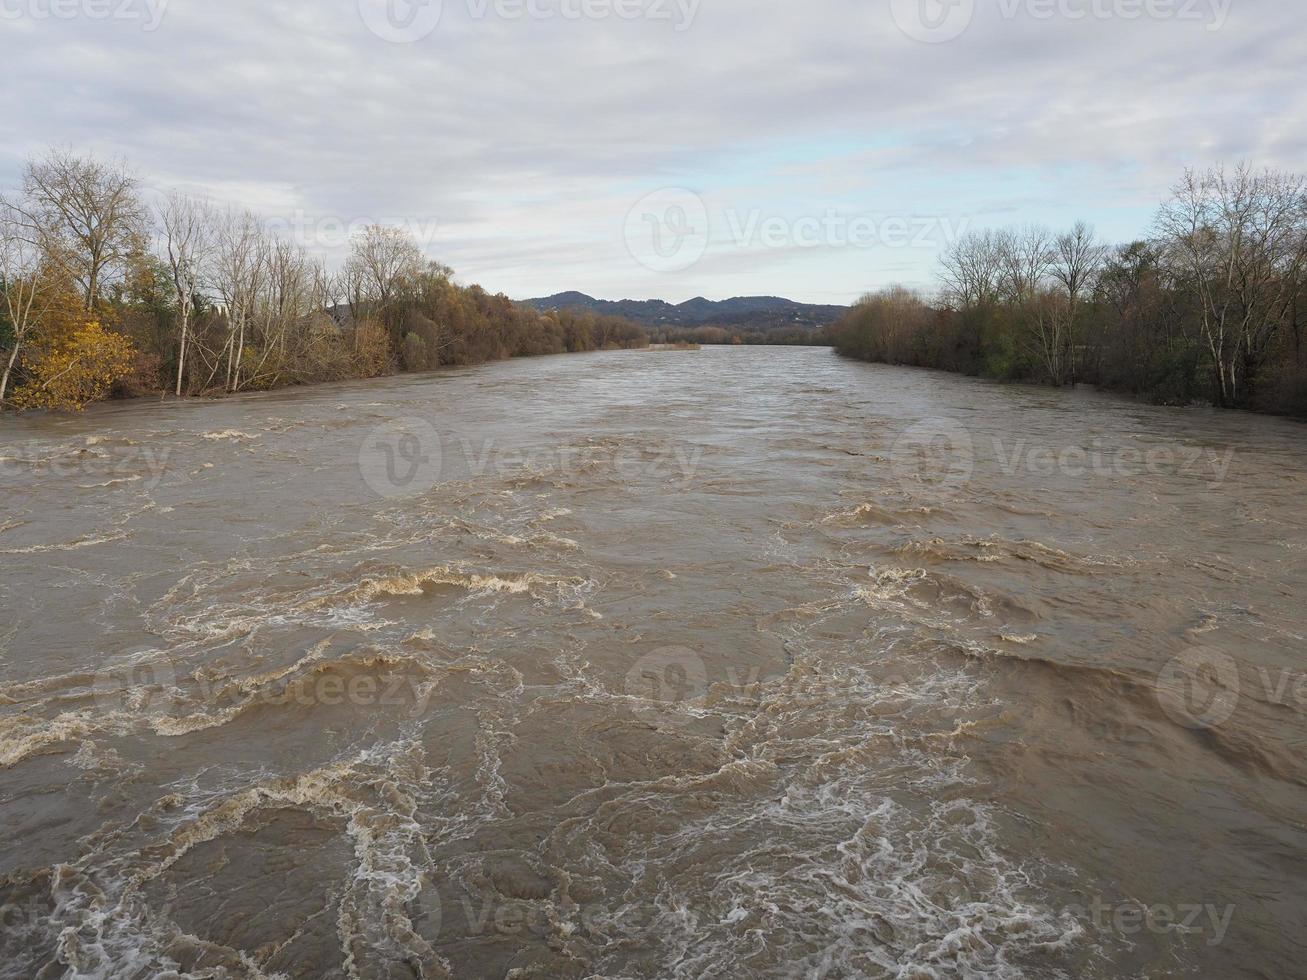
column 731, row 663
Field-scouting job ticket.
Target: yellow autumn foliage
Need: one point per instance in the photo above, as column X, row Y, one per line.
column 372, row 349
column 68, row 369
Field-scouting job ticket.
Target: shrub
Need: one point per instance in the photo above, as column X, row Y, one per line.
column 70, row 369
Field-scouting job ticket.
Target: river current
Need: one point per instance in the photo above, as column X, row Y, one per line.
column 728, row 663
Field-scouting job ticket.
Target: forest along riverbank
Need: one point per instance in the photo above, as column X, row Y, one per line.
column 575, row 666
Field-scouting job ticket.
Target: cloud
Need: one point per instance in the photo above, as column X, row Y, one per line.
column 525, row 140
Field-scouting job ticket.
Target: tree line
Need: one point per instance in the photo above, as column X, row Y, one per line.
column 1209, row 307
column 103, row 294
column 801, row 336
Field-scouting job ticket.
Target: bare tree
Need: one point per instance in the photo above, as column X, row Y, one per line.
column 1026, row 255
column 237, row 268
column 383, row 260
column 1239, row 241
column 1051, row 333
column 85, row 215
column 973, row 269
column 23, row 286
column 289, row 297
column 188, row 232
column 348, row 286
column 1077, row 260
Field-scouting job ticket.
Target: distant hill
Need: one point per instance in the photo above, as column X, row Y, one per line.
column 741, row 313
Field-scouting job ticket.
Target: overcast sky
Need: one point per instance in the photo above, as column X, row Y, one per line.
column 664, row 148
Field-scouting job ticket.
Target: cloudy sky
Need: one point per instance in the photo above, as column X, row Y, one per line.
column 663, row 148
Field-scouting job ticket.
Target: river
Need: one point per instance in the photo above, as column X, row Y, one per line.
column 736, row 662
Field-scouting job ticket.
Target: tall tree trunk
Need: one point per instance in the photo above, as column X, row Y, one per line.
column 228, row 349
column 4, row 379
column 181, row 354
column 240, row 353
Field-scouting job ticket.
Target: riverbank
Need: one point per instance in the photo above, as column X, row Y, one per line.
column 1207, row 307
column 860, row 338
column 128, row 389
column 1123, row 394
column 230, row 305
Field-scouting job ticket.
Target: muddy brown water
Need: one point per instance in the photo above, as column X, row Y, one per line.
column 728, row 663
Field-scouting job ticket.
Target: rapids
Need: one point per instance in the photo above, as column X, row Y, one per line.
column 738, row 662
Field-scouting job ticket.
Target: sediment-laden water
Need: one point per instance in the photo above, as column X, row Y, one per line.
column 741, row 662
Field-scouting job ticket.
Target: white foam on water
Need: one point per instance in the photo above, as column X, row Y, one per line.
column 104, row 928
column 843, row 836
column 228, row 435
column 89, row 541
